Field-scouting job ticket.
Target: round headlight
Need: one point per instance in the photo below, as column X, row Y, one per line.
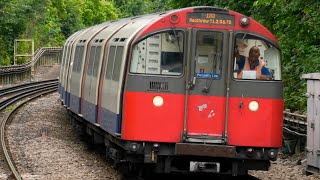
column 174, row 19
column 254, row 106
column 244, row 21
column 158, row 101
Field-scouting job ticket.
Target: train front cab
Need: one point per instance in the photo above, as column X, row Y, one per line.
column 185, row 105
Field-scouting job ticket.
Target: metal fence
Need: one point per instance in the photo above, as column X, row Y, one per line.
column 295, row 123
column 43, row 56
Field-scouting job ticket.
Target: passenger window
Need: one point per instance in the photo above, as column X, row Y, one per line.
column 208, row 54
column 91, row 60
column 76, row 59
column 160, row 54
column 96, row 61
column 117, row 64
column 255, row 59
column 111, row 58
column 79, row 65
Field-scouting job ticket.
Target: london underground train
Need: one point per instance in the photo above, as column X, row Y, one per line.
column 178, row 91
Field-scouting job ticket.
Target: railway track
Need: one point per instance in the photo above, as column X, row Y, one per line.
column 15, row 97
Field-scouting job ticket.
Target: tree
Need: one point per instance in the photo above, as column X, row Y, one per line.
column 98, row 11
column 48, row 22
column 12, row 23
column 130, row 8
column 241, row 6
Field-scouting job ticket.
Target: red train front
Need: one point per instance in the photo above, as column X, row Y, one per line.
column 182, row 88
column 200, row 91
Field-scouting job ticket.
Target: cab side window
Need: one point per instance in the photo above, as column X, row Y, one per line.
column 160, row 54
column 255, row 59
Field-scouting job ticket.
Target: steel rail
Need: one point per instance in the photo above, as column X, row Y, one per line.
column 32, row 94
column 27, row 89
column 8, row 101
column 4, row 90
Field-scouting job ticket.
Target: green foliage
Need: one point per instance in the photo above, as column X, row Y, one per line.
column 24, row 47
column 134, row 7
column 12, row 24
column 159, row 5
column 241, row 6
column 71, row 21
column 98, row 11
column 138, row 7
column 10, row 108
column 48, row 22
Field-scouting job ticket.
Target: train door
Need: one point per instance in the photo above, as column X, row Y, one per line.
column 206, row 105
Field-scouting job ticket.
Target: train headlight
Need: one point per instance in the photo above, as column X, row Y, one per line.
column 174, row 19
column 158, row 101
column 244, row 21
column 254, row 106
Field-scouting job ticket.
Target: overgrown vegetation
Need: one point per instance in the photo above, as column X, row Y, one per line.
column 295, row 23
column 10, row 108
column 48, row 22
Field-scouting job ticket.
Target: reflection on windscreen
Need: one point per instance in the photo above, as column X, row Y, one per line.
column 160, row 54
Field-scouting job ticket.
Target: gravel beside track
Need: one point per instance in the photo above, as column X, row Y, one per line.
column 44, row 146
column 286, row 167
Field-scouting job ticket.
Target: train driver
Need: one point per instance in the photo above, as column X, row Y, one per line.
column 252, row 64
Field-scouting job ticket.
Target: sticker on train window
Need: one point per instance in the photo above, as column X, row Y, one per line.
column 208, row 75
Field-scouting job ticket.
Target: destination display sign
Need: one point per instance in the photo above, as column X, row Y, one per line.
column 210, row 19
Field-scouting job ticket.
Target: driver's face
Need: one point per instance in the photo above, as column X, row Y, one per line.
column 254, row 57
column 256, row 53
